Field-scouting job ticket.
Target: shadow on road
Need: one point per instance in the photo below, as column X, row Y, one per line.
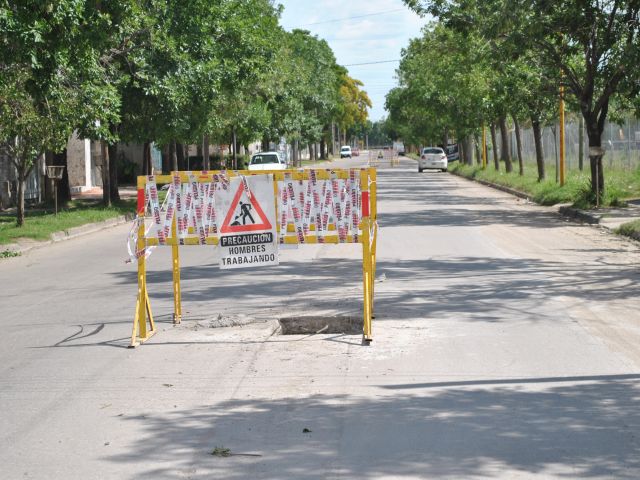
column 579, row 427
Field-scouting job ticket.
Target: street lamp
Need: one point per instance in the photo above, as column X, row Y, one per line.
column 54, row 172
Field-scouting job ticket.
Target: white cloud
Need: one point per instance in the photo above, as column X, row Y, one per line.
column 370, row 38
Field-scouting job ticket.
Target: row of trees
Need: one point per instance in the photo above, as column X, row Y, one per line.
column 484, row 62
column 170, row 72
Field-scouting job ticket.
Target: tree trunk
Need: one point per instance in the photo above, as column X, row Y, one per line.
column 206, row 162
column 173, row 156
column 445, row 139
column 494, row 146
column 468, row 150
column 537, row 139
column 505, row 151
column 581, row 143
column 596, row 152
column 113, row 173
column 323, row 149
column 182, row 164
column 478, row 146
column 333, row 138
column 235, row 147
column 293, row 154
column 106, row 175
column 166, row 159
column 48, row 183
column 516, row 126
column 20, row 200
column 146, row 159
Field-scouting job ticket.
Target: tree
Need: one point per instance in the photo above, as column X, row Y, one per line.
column 593, row 43
column 52, row 79
column 25, row 131
column 443, row 87
column 354, row 103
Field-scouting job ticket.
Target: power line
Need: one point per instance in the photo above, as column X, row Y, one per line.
column 351, row 18
column 370, row 63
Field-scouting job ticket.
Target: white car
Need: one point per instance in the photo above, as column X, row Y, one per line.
column 266, row 161
column 345, row 151
column 433, row 158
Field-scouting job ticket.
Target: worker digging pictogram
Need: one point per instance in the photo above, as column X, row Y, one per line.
column 240, row 216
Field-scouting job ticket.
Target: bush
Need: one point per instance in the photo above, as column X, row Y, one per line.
column 127, row 171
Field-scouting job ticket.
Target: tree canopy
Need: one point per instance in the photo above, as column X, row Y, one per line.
column 166, row 72
column 523, row 51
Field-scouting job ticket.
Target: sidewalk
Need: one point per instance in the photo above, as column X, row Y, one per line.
column 95, row 193
column 610, row 218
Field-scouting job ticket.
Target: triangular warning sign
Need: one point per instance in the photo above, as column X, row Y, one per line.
column 241, row 217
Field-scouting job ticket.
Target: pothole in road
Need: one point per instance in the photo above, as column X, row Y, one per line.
column 320, row 324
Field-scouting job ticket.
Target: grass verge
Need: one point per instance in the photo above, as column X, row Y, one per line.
column 40, row 224
column 630, row 229
column 619, row 185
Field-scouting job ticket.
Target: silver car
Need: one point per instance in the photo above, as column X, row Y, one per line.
column 433, row 158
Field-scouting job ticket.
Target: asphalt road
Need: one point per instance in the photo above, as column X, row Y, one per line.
column 506, row 345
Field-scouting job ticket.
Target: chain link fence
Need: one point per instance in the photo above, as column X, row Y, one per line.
column 621, row 142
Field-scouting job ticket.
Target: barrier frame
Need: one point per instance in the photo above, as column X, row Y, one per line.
column 143, row 322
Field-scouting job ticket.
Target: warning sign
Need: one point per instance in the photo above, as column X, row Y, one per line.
column 248, row 218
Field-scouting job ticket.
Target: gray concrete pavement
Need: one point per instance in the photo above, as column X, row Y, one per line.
column 507, row 345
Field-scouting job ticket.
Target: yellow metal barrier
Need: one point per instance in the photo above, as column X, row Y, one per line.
column 377, row 156
column 365, row 234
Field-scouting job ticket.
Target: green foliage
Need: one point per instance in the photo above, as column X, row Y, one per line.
column 127, row 171
column 444, row 87
column 630, row 229
column 577, row 191
column 152, row 70
column 589, row 46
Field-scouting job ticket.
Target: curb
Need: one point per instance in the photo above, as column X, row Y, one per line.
column 581, row 215
column 495, row 186
column 69, row 234
column 502, row 188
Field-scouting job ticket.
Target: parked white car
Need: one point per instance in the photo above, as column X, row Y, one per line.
column 345, row 151
column 266, row 161
column 433, row 158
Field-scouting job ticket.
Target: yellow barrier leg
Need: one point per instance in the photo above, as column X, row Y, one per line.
column 140, row 333
column 366, row 281
column 374, row 216
column 177, row 294
column 366, row 256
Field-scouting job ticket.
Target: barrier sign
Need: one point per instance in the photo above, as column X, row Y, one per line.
column 248, row 216
column 247, row 233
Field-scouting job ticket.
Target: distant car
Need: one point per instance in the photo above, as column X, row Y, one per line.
column 355, row 152
column 433, row 158
column 345, row 151
column 266, row 161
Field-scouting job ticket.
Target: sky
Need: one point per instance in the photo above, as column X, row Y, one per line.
column 382, row 29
